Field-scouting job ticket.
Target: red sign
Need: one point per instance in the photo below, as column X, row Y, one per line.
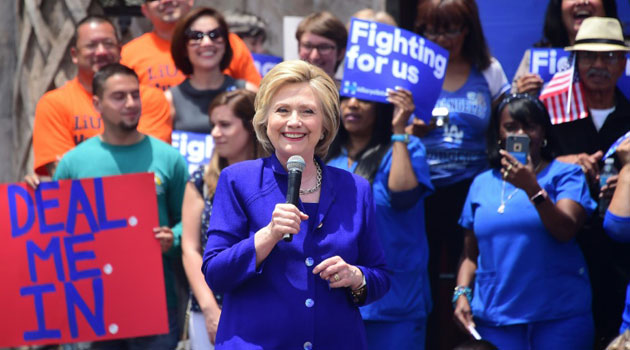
column 79, row 261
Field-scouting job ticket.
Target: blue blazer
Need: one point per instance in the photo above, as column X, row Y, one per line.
column 281, row 304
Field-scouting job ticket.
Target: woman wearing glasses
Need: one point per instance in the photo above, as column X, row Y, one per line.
column 201, row 51
column 474, row 81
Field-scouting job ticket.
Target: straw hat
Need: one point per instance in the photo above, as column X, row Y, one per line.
column 599, row 34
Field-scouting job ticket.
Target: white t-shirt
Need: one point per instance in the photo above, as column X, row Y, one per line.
column 599, row 116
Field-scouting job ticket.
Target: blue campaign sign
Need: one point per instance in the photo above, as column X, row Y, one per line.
column 380, row 56
column 264, row 63
column 624, row 82
column 194, row 147
column 549, row 61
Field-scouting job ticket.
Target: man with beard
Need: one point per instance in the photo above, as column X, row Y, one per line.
column 122, row 149
column 65, row 117
column 600, row 61
column 150, row 54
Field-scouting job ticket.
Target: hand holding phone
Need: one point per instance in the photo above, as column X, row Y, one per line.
column 518, row 146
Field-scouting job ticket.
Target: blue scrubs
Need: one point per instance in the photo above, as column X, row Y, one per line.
column 397, row 321
column 618, row 228
column 524, row 275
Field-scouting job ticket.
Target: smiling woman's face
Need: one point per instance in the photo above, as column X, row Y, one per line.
column 575, row 11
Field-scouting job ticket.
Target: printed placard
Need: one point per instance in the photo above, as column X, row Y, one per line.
column 380, row 56
column 196, row 148
column 548, row 61
column 80, row 261
column 264, row 63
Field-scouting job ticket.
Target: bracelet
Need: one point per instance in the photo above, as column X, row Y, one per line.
column 359, row 294
column 404, row 138
column 539, row 197
column 459, row 291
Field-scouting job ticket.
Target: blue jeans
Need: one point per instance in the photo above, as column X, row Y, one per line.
column 576, row 333
column 154, row 342
column 408, row 335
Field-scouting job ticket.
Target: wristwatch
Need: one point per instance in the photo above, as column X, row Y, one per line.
column 404, row 138
column 539, row 197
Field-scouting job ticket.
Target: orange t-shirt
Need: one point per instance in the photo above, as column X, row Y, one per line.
column 150, row 56
column 65, row 117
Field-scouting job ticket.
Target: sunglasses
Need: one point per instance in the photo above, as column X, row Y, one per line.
column 196, row 36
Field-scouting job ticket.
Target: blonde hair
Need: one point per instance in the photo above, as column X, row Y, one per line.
column 295, row 72
column 622, row 342
column 375, row 16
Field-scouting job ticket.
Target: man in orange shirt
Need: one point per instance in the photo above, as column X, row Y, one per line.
column 150, row 54
column 65, row 117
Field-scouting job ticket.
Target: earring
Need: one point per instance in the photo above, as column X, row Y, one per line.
column 322, row 136
column 544, row 144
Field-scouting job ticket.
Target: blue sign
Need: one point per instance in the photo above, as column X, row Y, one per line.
column 624, row 82
column 380, row 56
column 196, row 148
column 613, row 147
column 549, row 61
column 264, row 63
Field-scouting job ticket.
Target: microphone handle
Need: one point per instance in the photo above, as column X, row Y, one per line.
column 293, row 195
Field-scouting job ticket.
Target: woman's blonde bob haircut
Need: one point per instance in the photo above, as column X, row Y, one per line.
column 295, row 72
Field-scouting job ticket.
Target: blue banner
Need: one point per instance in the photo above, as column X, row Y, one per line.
column 380, row 56
column 549, row 61
column 264, row 63
column 613, row 147
column 194, row 147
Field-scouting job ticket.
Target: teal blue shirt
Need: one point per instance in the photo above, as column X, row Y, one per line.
column 95, row 158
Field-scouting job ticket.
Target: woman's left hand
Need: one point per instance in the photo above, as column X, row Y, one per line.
column 403, row 107
column 516, row 173
column 339, row 273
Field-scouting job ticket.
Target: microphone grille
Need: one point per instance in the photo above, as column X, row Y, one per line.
column 296, row 163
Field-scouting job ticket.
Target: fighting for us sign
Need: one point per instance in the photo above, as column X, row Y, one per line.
column 381, row 57
column 79, row 261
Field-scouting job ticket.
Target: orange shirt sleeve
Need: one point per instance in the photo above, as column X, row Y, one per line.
column 52, row 131
column 156, row 115
column 242, row 65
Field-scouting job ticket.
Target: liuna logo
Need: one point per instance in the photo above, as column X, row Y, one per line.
column 350, row 88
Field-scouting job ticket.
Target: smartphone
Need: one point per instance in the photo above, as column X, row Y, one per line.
column 440, row 116
column 518, row 146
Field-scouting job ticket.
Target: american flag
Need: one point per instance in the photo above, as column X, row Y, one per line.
column 564, row 97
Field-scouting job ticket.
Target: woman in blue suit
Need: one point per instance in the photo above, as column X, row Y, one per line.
column 306, row 293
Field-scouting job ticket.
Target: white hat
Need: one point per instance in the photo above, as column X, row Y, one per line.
column 599, row 34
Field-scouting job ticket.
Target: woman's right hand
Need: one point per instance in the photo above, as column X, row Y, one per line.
column 285, row 219
column 530, row 83
column 212, row 324
column 463, row 313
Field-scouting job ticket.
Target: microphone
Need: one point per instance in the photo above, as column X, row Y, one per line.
column 295, row 166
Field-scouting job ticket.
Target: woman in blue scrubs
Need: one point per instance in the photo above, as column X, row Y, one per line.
column 372, row 143
column 530, row 281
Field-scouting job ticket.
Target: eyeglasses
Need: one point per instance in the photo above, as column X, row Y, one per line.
column 195, row 37
column 448, row 34
column 323, row 49
column 589, row 57
column 93, row 46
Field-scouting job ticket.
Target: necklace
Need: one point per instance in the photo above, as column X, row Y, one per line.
column 319, row 181
column 501, row 208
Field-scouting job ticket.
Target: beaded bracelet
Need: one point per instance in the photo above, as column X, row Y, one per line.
column 459, row 290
